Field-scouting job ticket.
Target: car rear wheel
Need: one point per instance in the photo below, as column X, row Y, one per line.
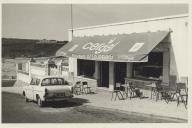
column 40, row 102
column 26, row 99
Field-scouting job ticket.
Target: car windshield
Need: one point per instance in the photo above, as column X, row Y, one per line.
column 53, row 81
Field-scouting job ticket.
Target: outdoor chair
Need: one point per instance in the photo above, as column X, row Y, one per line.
column 77, row 88
column 125, row 90
column 182, row 94
column 166, row 95
column 129, row 89
column 86, row 89
column 134, row 91
column 173, row 93
column 154, row 90
column 117, row 92
column 164, row 91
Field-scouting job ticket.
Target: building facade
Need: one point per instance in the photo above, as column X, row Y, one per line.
column 156, row 51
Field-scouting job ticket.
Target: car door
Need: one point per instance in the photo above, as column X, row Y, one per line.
column 36, row 88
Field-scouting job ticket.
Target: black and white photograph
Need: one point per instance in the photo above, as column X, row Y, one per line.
column 95, row 63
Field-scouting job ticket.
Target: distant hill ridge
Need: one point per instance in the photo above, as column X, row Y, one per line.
column 13, row 47
column 18, row 40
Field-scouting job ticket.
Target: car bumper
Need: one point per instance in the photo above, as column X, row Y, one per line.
column 58, row 98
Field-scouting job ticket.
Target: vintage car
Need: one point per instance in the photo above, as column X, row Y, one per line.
column 44, row 89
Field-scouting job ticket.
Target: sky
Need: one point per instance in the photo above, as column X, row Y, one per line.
column 51, row 21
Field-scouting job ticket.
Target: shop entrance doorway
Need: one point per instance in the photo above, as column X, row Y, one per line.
column 120, row 72
column 104, row 74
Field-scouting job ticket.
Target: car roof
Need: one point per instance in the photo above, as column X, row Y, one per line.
column 43, row 77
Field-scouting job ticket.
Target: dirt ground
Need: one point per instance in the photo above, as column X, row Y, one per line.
column 73, row 111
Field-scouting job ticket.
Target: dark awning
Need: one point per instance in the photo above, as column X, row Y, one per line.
column 122, row 47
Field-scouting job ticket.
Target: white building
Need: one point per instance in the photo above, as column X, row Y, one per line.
column 27, row 68
column 143, row 50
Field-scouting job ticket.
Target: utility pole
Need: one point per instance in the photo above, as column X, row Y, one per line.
column 72, row 20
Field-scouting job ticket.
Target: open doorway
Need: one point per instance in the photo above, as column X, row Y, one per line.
column 104, row 74
column 120, row 72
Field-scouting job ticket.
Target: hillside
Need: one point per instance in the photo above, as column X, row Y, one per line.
column 12, row 47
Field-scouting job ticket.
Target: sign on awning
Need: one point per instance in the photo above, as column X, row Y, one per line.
column 133, row 47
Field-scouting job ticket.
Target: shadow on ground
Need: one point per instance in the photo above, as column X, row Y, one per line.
column 68, row 103
column 90, row 93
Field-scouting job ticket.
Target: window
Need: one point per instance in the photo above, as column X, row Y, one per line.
column 65, row 62
column 20, row 66
column 86, row 68
column 52, row 65
column 152, row 69
column 45, row 82
column 53, row 81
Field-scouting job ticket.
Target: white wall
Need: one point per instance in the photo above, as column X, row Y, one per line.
column 73, row 66
column 37, row 70
column 72, row 61
column 23, row 77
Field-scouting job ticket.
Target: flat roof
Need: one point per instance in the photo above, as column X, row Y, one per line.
column 133, row 21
